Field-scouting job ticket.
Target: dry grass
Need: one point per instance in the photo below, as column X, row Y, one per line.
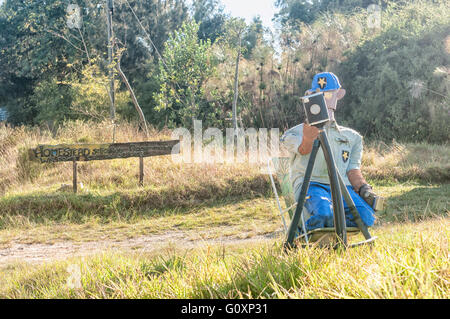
column 31, row 196
column 20, row 176
column 395, row 162
column 402, row 162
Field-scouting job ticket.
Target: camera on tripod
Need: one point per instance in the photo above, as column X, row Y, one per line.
column 317, row 115
column 315, row 109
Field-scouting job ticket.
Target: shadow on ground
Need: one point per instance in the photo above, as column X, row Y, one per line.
column 125, row 205
column 422, row 202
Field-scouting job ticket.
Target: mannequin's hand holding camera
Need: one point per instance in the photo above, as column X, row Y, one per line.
column 310, row 133
column 370, row 197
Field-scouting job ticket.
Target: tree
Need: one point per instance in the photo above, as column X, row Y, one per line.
column 30, row 52
column 187, row 65
column 37, row 45
column 236, row 28
column 209, row 14
column 253, row 33
column 396, row 82
column 292, row 12
column 143, row 44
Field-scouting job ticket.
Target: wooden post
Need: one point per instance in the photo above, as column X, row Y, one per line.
column 141, row 171
column 75, row 176
column 109, row 19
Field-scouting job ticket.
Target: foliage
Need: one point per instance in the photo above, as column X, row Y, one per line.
column 91, row 99
column 52, row 100
column 209, row 14
column 38, row 46
column 399, row 72
column 28, row 49
column 293, row 12
column 187, row 65
column 254, row 34
column 158, row 19
column 396, row 82
column 85, row 98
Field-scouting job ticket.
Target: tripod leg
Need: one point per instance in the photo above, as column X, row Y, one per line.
column 348, row 199
column 301, row 199
column 336, row 194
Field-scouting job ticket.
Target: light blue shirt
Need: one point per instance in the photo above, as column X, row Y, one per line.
column 346, row 145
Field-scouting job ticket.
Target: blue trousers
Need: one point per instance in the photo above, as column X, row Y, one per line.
column 320, row 206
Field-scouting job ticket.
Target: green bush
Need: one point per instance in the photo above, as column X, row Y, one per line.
column 397, row 86
column 86, row 98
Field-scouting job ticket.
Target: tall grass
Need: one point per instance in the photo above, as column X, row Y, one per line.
column 423, row 162
column 408, row 261
column 19, row 175
column 30, row 190
column 396, row 162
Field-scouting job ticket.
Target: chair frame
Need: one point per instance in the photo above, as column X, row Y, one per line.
column 282, row 211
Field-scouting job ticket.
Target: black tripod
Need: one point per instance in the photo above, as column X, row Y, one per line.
column 338, row 189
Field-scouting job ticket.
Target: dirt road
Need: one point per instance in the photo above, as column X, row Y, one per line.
column 41, row 253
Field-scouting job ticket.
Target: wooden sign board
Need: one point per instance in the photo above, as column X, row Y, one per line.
column 97, row 152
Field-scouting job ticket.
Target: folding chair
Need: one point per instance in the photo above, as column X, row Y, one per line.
column 320, row 236
column 282, row 172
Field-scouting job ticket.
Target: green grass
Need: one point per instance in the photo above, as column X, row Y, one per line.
column 410, row 260
column 247, row 217
column 45, row 206
column 230, row 216
column 413, row 201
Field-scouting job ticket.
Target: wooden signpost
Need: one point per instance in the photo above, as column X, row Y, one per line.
column 98, row 152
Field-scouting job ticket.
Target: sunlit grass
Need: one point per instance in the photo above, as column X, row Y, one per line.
column 382, row 162
column 409, row 260
column 247, row 218
column 90, row 219
column 403, row 162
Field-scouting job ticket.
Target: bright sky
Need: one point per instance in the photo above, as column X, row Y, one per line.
column 250, row 8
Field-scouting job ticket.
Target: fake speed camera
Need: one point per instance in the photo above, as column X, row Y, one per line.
column 315, row 109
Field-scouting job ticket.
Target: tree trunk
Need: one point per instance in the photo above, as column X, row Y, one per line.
column 236, row 86
column 135, row 102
